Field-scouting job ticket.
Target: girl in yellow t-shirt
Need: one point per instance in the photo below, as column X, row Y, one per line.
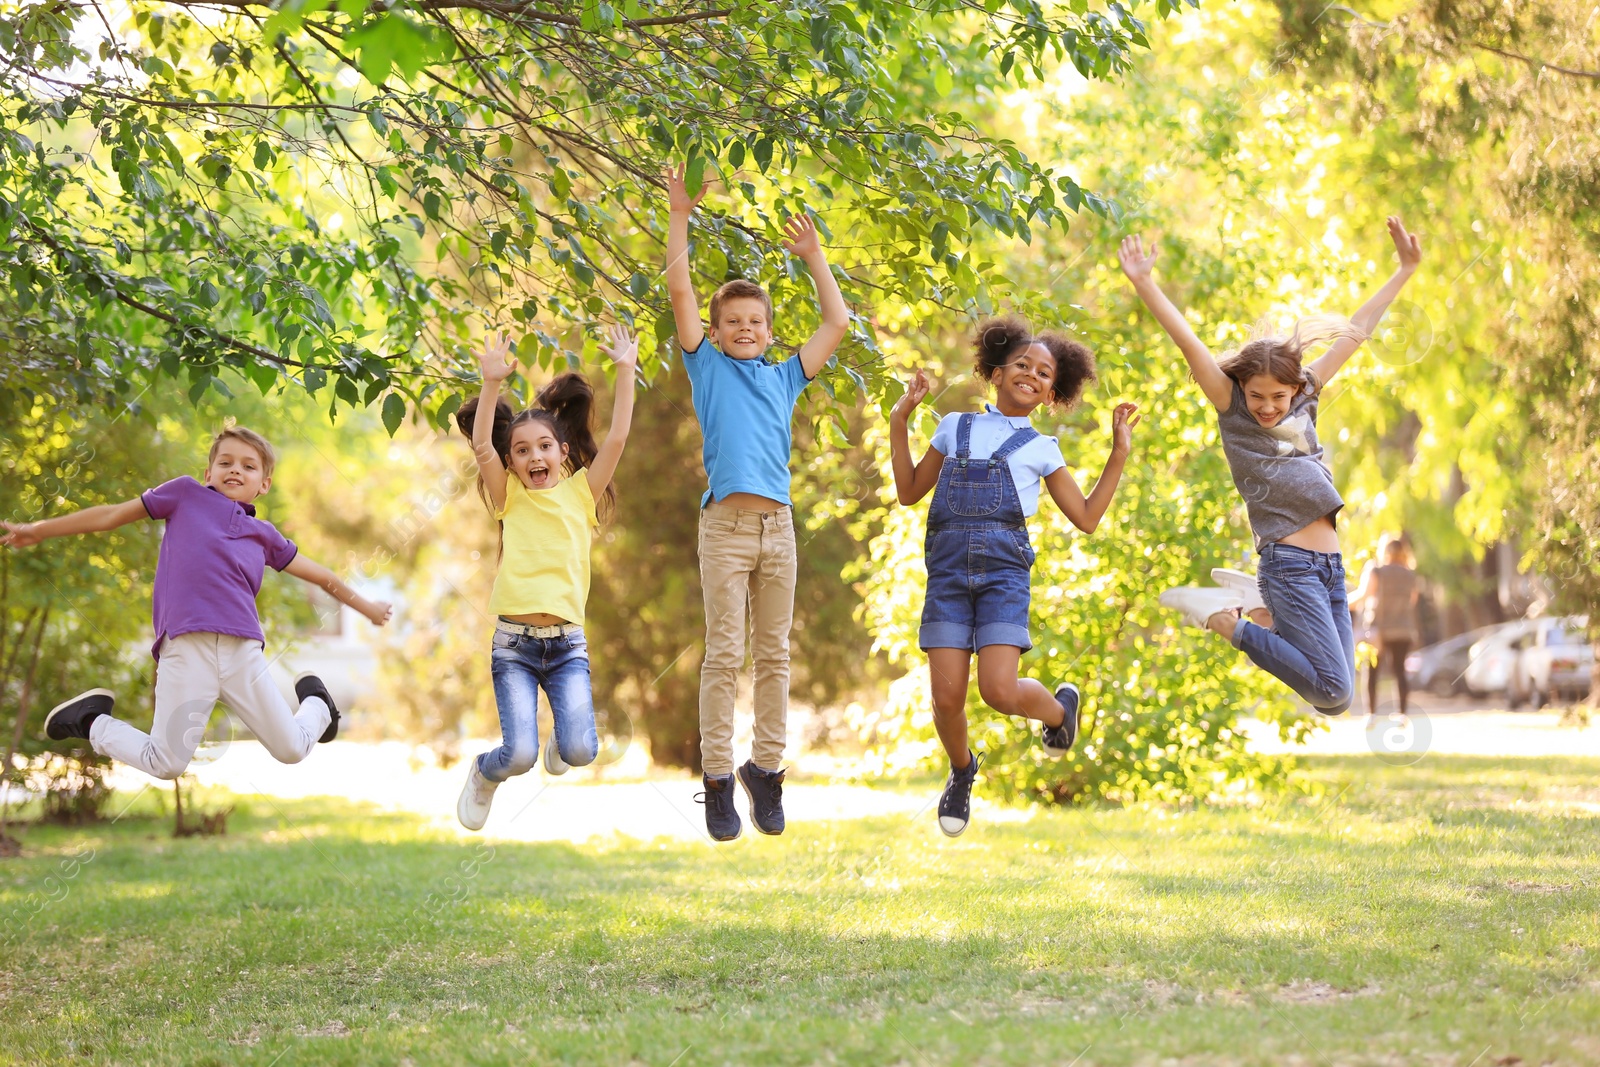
column 541, row 472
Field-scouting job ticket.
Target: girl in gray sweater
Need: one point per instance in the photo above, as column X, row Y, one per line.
column 1298, row 625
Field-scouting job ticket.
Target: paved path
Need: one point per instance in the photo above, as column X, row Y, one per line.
column 628, row 800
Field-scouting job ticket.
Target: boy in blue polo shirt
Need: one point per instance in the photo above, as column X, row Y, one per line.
column 745, row 404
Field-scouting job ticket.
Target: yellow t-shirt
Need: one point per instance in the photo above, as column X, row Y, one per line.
column 545, row 563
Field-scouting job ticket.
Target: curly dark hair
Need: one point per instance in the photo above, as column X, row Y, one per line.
column 999, row 339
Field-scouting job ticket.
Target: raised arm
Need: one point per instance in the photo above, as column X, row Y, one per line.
column 496, row 369
column 680, row 285
column 1409, row 248
column 308, row 570
column 1138, row 266
column 801, row 239
column 97, row 519
column 625, row 354
column 1083, row 513
column 911, row 483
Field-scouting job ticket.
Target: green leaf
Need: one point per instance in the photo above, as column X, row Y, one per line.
column 394, row 412
column 694, row 174
column 763, row 153
column 379, row 121
column 264, row 155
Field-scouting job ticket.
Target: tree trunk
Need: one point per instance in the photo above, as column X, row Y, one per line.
column 22, row 704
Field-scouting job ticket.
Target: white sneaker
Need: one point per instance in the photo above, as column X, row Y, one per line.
column 1198, row 604
column 476, row 796
column 553, row 763
column 1242, row 583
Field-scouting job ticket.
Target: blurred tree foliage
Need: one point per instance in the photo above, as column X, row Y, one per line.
column 341, row 193
column 1502, row 97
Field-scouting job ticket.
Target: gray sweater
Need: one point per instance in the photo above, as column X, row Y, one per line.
column 1280, row 469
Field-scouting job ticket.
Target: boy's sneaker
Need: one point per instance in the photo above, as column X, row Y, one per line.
column 765, row 790
column 1243, row 584
column 309, row 685
column 1198, row 605
column 1058, row 740
column 73, row 718
column 722, row 822
column 553, row 763
column 955, row 805
column 476, row 796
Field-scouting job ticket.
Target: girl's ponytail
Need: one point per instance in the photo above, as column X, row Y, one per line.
column 567, row 401
column 499, row 437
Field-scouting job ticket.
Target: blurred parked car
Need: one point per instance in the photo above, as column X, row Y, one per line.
column 1441, row 668
column 1555, row 659
column 1492, row 664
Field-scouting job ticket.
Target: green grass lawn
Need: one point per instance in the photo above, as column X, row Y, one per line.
column 1447, row 913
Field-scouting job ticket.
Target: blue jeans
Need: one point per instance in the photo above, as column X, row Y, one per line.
column 1311, row 647
column 520, row 666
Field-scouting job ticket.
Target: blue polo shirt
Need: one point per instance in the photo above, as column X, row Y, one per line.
column 745, row 408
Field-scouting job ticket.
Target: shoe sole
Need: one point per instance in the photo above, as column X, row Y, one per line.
column 1243, row 584
column 1077, row 732
column 560, row 766
column 461, row 804
column 332, row 732
column 750, row 806
column 50, row 718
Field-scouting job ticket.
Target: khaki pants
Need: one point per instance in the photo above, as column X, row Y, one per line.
column 195, row 671
column 747, row 569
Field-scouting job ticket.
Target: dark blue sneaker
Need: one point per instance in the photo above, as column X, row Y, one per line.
column 72, row 719
column 765, row 789
column 722, row 822
column 1058, row 740
column 309, row 685
column 955, row 805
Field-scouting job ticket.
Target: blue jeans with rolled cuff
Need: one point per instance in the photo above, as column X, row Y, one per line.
column 521, row 665
column 1311, row 647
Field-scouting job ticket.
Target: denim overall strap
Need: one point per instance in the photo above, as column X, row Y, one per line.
column 964, row 437
column 1012, row 443
column 974, row 494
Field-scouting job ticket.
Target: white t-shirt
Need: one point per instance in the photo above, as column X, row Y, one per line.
column 1034, row 461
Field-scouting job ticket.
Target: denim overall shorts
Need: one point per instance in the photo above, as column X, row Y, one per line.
column 978, row 555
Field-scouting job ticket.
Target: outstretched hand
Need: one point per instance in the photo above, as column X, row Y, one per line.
column 20, row 534
column 1407, row 245
column 1123, row 420
column 678, row 198
column 916, row 392
column 382, row 611
column 1136, row 263
column 492, row 360
column 624, row 346
column 800, row 236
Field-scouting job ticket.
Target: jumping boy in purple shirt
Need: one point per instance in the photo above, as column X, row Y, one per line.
column 208, row 635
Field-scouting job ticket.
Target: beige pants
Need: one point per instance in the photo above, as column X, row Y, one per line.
column 747, row 569
column 195, row 671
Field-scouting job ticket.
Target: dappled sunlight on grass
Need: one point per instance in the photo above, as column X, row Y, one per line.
column 1396, row 913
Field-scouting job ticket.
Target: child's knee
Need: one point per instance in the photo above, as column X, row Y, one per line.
column 580, row 753
column 1001, row 696
column 522, row 758
column 166, row 765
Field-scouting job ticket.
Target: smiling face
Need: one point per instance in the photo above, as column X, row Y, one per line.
column 743, row 328
column 1026, row 381
column 238, row 471
column 1268, row 399
column 536, row 455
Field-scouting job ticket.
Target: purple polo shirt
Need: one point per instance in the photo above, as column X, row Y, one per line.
column 213, row 554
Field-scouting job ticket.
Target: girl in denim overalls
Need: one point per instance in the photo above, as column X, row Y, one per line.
column 985, row 471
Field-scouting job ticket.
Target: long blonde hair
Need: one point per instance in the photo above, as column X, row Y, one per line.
column 1278, row 355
